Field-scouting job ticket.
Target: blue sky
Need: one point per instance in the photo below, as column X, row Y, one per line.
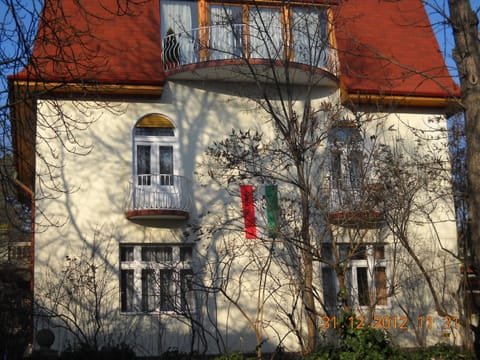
column 444, row 32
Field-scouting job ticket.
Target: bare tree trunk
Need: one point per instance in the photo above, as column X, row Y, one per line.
column 464, row 24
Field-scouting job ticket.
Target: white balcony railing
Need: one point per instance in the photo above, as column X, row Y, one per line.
column 237, row 41
column 162, row 193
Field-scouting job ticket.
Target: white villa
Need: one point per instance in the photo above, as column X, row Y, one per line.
column 229, row 176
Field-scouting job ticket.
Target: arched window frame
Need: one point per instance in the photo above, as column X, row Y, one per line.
column 152, row 138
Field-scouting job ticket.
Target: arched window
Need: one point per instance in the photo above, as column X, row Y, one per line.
column 157, row 190
column 155, row 151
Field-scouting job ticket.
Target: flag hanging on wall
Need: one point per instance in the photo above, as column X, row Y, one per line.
column 269, row 219
column 271, row 199
column 248, row 207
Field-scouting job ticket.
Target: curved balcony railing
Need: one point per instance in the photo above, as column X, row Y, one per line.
column 237, row 41
column 158, row 196
column 355, row 204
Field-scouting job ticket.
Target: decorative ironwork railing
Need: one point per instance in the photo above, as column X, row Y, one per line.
column 342, row 198
column 240, row 41
column 158, row 192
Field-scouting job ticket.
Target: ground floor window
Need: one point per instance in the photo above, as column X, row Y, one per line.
column 366, row 275
column 156, row 278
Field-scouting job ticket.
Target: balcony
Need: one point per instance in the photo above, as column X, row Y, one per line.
column 355, row 206
column 158, row 197
column 236, row 51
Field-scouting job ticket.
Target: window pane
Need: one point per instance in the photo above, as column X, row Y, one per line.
column 143, row 164
column 126, row 290
column 266, row 34
column 185, row 253
column 381, row 285
column 186, row 290
column 126, row 253
column 379, row 252
column 153, row 131
column 329, row 281
column 360, row 253
column 226, row 33
column 310, row 36
column 149, row 293
column 157, row 254
column 362, row 286
column 167, row 290
column 166, row 165
column 326, row 251
column 181, row 16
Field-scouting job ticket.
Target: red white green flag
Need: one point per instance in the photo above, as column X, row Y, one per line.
column 270, row 218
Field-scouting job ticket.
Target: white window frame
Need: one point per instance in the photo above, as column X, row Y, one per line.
column 371, row 264
column 155, row 142
column 179, row 263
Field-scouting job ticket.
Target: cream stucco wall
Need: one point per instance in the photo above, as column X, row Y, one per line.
column 91, row 210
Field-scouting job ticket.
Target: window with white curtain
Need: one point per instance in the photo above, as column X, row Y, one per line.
column 309, row 30
column 230, row 23
column 266, row 33
column 226, row 32
column 181, row 17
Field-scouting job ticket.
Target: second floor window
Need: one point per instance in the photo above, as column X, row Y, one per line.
column 346, row 158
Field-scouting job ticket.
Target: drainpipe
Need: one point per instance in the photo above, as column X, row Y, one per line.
column 30, row 193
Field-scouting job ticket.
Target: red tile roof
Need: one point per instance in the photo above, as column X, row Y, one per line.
column 385, row 47
column 104, row 41
column 389, row 48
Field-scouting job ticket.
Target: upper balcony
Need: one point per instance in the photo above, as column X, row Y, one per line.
column 355, row 205
column 158, row 197
column 241, row 42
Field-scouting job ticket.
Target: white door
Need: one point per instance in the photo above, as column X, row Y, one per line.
column 154, row 175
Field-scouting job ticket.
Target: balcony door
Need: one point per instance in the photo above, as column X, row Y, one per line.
column 155, row 162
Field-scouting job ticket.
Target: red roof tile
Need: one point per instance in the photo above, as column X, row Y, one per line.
column 105, row 41
column 388, row 47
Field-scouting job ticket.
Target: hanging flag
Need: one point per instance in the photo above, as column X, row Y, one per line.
column 270, row 218
column 248, row 207
column 271, row 199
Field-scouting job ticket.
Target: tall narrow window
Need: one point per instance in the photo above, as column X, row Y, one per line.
column 143, row 165
column 149, row 290
column 310, row 40
column 167, row 290
column 166, row 165
column 346, row 157
column 266, row 33
column 127, row 291
column 226, row 33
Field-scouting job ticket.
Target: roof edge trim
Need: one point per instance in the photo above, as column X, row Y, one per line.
column 62, row 88
column 399, row 100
